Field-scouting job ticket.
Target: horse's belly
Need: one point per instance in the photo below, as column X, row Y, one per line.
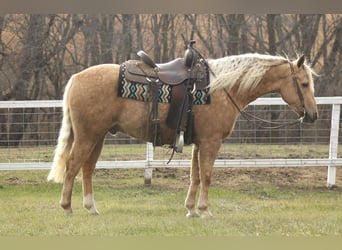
column 135, row 121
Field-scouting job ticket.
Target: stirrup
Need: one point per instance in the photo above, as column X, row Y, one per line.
column 179, row 142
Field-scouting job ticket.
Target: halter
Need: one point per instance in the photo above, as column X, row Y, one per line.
column 248, row 116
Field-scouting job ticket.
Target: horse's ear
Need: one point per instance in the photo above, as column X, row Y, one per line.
column 300, row 61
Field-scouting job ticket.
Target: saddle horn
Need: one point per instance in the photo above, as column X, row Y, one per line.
column 190, row 55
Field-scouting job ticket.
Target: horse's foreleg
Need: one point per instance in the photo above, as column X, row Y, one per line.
column 194, row 183
column 207, row 155
column 87, row 174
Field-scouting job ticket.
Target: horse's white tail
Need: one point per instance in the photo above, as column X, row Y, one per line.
column 65, row 140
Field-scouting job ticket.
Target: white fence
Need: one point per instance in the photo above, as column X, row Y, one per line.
column 331, row 159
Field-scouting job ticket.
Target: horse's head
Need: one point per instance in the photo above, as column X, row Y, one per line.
column 298, row 90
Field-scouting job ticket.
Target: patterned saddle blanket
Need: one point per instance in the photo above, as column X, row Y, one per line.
column 135, row 75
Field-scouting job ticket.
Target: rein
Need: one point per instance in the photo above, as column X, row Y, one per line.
column 276, row 125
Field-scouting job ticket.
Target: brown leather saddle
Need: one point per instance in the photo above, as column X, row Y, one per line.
column 183, row 75
column 172, row 73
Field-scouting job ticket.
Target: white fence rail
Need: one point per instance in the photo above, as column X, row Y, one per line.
column 332, row 159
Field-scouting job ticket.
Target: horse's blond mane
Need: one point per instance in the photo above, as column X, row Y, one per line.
column 246, row 70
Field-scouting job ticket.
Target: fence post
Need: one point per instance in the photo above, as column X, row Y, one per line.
column 335, row 124
column 148, row 169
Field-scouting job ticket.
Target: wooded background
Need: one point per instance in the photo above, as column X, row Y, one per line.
column 39, row 52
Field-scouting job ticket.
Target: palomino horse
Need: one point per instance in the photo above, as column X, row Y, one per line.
column 91, row 108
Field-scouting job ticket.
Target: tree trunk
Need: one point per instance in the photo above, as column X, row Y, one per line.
column 32, row 61
column 106, row 34
column 271, row 34
column 156, row 41
column 165, row 22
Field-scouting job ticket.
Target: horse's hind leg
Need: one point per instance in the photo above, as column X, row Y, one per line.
column 87, row 174
column 76, row 160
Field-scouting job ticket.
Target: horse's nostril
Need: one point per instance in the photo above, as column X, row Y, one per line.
column 314, row 116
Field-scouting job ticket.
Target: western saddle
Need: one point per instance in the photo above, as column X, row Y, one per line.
column 184, row 75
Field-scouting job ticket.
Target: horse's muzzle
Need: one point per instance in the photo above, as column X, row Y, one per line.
column 310, row 117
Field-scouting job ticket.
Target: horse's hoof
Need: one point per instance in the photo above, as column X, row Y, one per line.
column 94, row 212
column 192, row 214
column 206, row 214
column 68, row 212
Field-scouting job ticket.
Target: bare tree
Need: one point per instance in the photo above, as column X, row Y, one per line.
column 165, row 21
column 193, row 20
column 65, row 28
column 40, row 66
column 29, row 74
column 124, row 51
column 332, row 64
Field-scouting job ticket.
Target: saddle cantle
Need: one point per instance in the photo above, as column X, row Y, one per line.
column 182, row 76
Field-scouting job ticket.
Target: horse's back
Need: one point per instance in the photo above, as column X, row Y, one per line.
column 98, row 75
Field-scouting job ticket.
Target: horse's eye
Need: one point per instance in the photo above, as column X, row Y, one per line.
column 305, row 84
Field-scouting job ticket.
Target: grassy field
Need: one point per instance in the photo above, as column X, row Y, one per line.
column 253, row 202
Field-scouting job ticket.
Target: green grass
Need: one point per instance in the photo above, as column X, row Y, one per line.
column 29, row 206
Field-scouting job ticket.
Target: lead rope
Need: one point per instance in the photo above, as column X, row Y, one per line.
column 249, row 117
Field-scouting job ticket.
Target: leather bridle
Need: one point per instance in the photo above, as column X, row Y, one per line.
column 295, row 82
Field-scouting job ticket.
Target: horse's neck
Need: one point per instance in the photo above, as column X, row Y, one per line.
column 270, row 83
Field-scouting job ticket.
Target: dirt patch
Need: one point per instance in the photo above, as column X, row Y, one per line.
column 13, row 181
column 298, row 177
column 310, row 177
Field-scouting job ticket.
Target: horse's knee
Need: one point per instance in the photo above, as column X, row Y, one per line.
column 206, row 180
column 195, row 178
column 195, row 181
